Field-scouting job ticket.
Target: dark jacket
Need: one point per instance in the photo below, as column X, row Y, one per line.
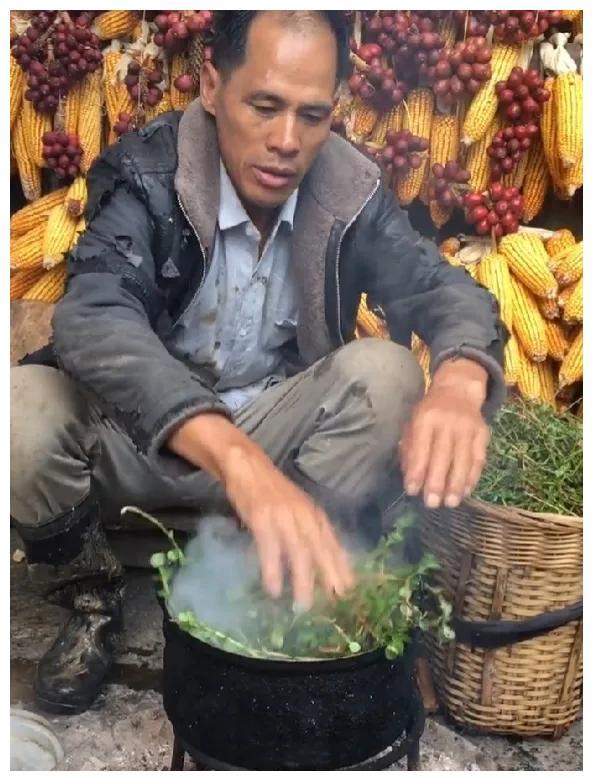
column 151, row 220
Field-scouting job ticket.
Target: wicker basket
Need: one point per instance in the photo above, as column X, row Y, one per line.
column 506, row 565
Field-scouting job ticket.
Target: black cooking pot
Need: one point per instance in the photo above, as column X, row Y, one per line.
column 262, row 714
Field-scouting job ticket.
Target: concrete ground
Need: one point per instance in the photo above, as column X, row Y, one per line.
column 128, row 729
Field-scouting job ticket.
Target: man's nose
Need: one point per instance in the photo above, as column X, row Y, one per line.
column 284, row 137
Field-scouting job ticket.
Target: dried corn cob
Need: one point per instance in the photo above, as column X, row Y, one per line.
column 116, row 24
column 571, row 370
column 571, row 180
column 396, row 118
column 58, row 236
column 568, row 108
column 573, row 309
column 76, row 197
column 570, row 264
column 557, row 341
column 549, row 308
column 17, row 87
column 422, row 353
column 444, row 138
column 528, row 323
column 450, row 246
column 28, row 217
column 195, row 59
column 418, row 120
column 566, row 293
column 484, row 105
column 438, row 214
column 364, row 119
column 477, row 160
column 35, row 125
column 536, row 182
column 518, row 176
column 559, row 241
column 528, row 378
column 570, row 16
column 27, row 251
column 549, row 134
column 50, row 287
column 73, row 108
column 180, row 100
column 493, row 273
column 29, row 173
column 528, row 260
column 547, row 383
column 447, row 30
column 112, row 87
column 511, row 361
column 90, row 121
column 368, row 322
column 22, row 280
column 379, row 133
column 162, row 107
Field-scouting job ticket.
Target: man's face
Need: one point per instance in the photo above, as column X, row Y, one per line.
column 273, row 113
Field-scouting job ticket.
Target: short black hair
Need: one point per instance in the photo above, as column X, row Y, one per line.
column 232, row 27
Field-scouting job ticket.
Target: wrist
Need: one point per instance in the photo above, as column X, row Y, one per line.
column 463, row 376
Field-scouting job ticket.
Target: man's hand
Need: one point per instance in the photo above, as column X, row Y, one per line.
column 443, row 450
column 287, row 526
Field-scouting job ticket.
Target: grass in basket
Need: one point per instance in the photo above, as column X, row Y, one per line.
column 535, row 460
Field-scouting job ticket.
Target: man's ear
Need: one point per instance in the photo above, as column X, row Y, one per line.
column 209, row 87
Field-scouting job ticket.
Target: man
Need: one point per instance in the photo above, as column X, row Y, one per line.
column 205, row 344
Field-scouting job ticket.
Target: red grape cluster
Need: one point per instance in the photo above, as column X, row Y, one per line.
column 520, row 26
column 377, row 85
column 447, row 184
column 175, row 28
column 142, row 82
column 75, row 52
column 497, row 211
column 125, row 124
column 403, row 152
column 522, row 95
column 508, row 146
column 472, row 23
column 461, row 70
column 419, row 46
column 62, row 153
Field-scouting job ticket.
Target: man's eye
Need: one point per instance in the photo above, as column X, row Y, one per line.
column 313, row 119
column 265, row 110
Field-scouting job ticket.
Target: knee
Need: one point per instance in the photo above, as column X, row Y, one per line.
column 47, row 412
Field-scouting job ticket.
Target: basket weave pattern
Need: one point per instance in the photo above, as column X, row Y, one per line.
column 502, row 563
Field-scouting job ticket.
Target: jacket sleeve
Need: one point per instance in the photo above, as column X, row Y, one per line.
column 104, row 331
column 420, row 291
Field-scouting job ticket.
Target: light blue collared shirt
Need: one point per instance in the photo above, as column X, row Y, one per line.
column 246, row 309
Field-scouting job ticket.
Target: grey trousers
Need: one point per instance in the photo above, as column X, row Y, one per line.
column 340, row 420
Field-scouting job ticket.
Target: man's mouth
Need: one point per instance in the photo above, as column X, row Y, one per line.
column 274, row 178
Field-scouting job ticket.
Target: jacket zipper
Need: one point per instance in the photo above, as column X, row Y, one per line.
column 348, row 226
column 195, row 295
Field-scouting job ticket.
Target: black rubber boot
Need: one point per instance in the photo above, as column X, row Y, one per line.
column 71, row 564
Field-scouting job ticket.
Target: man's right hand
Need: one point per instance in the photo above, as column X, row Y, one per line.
column 289, row 529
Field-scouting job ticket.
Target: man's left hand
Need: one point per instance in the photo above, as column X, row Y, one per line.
column 443, row 449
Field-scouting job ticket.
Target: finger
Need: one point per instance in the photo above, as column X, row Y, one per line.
column 440, row 460
column 340, row 561
column 419, row 444
column 324, row 548
column 459, row 472
column 479, row 451
column 269, row 551
column 300, row 563
column 403, row 447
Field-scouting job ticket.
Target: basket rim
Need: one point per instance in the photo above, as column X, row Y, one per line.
column 506, row 513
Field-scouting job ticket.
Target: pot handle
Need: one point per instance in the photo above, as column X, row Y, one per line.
column 496, row 634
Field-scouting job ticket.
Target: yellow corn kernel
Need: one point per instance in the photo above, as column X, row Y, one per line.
column 422, row 353
column 570, row 264
column 528, row 323
column 113, row 89
column 28, row 217
column 76, row 197
column 528, row 378
column 528, row 260
column 549, row 133
column 494, row 274
column 72, row 108
column 571, row 180
column 35, row 124
column 547, row 382
column 557, row 340
column 379, row 134
column 17, row 88
column 27, row 251
column 368, row 322
column 559, row 241
column 566, row 293
column 58, row 236
column 29, row 173
column 90, row 121
column 418, row 120
column 549, row 308
column 50, row 287
column 22, row 280
column 116, row 24
column 568, row 107
column 438, row 214
column 511, row 361
column 396, row 118
column 180, row 100
column 484, row 105
column 477, row 160
column 573, row 309
column 536, row 182
column 448, row 30
column 571, row 370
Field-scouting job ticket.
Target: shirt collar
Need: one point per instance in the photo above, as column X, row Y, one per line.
column 231, row 211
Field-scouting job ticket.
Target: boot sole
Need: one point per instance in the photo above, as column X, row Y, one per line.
column 61, row 708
